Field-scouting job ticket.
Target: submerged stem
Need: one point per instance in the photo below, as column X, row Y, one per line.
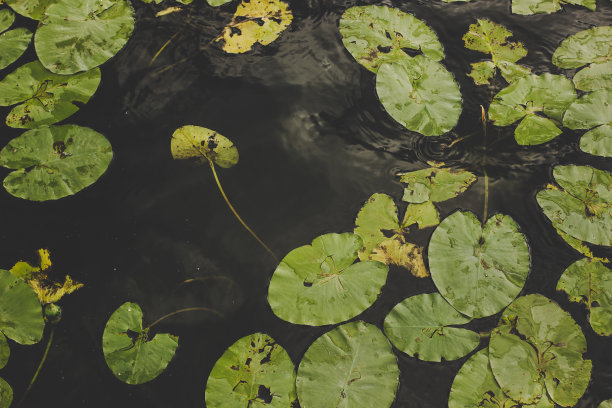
column 483, row 118
column 173, row 36
column 188, row 309
column 42, row 361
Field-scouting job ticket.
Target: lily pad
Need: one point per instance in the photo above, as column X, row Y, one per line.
column 378, row 34
column 54, row 162
column 5, row 351
column 131, row 355
column 78, row 35
column 491, row 38
column 420, row 94
column 205, row 145
column 13, row 44
column 6, row 394
column 7, row 18
column 528, row 7
column 593, row 111
column 217, row 3
column 255, row 21
column 350, row 366
column 589, row 282
column 593, row 45
column 318, row 284
column 528, row 98
column 478, row 269
column 254, row 371
column 45, row 98
column 420, row 327
column 21, row 316
column 582, row 207
column 33, row 9
column 594, row 77
column 537, row 349
column 435, row 184
column 605, row 404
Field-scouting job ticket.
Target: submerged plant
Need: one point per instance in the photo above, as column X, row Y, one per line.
column 13, row 43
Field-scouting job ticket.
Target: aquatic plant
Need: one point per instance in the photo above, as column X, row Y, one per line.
column 13, row 43
column 593, row 111
column 528, row 7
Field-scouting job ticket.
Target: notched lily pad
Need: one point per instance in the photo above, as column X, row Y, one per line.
column 593, row 111
column 6, row 394
column 528, row 7
column 131, row 355
column 319, row 284
column 254, row 371
column 21, row 316
column 350, row 366
column 378, row 34
column 435, row 184
column 205, row 145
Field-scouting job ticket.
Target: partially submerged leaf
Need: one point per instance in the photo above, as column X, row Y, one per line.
column 378, row 34
column 6, row 394
column 45, row 98
column 254, row 371
column 528, row 7
column 13, row 44
column 420, row 327
column 319, row 284
column 33, row 9
column 478, row 269
column 589, row 282
column 21, row 317
column 593, row 111
column 131, row 355
column 435, row 184
column 5, row 351
column 196, row 142
column 54, row 162
column 350, row 366
column 255, row 21
column 420, row 94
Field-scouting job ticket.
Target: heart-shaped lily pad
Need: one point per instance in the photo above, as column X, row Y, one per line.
column 350, row 366
column 593, row 111
column 254, row 371
column 478, row 269
column 196, row 142
column 6, row 394
column 21, row 316
column 528, row 7
column 318, row 284
column 131, row 355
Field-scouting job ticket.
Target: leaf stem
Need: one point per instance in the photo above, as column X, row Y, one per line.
column 187, row 20
column 188, row 309
column 42, row 361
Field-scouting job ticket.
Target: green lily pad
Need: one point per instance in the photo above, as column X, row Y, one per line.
column 54, row 162
column 593, row 111
column 537, row 349
column 195, row 142
column 594, row 77
column 435, row 184
column 528, row 7
column 598, row 141
column 13, row 44
column 33, row 9
column 6, row 394
column 7, row 18
column 350, row 366
column 589, row 282
column 582, row 208
column 78, row 35
column 584, row 47
column 45, row 98
column 378, row 34
column 217, row 3
column 131, row 355
column 605, row 404
column 420, row 327
column 478, row 269
column 318, row 284
column 420, row 94
column 5, row 351
column 21, row 316
column 254, row 372
column 528, row 98
column 491, row 38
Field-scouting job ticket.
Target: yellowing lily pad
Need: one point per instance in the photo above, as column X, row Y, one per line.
column 435, row 184
column 195, row 142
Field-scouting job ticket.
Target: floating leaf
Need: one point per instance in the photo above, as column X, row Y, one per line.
column 594, row 77
column 217, row 3
column 5, row 351
column 131, row 355
column 478, row 269
column 45, row 98
column 78, row 35
column 54, row 162
column 539, row 346
column 424, row 215
column 593, row 111
column 13, row 44
column 378, row 34
column 318, row 284
column 529, row 97
column 6, row 394
column 491, row 38
column 33, row 9
column 255, row 21
column 21, row 317
column 420, row 327
column 528, row 7
column 254, row 371
column 435, row 184
column 589, row 282
column 582, row 209
column 401, row 253
column 195, row 142
column 7, row 17
column 579, row 246
column 420, row 94
column 350, row 366
column 605, row 404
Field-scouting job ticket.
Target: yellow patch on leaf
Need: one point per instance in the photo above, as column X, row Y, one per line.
column 167, row 11
column 409, row 256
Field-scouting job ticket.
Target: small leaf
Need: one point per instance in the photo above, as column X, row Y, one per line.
column 424, row 215
column 535, row 130
column 195, row 142
column 5, row 352
column 21, row 317
column 482, row 72
column 13, row 44
column 6, row 394
column 435, row 184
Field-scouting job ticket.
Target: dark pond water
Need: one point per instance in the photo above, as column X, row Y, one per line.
column 315, row 143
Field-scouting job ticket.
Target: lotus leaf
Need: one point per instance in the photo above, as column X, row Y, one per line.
column 378, row 34
column 605, row 404
column 5, row 350
column 528, row 7
column 7, row 17
column 420, row 94
column 195, row 142
column 318, row 284
column 435, row 184
column 254, row 372
column 217, row 3
column 593, row 111
column 538, row 346
column 491, row 38
column 54, row 162
column 21, row 316
column 131, row 355
column 590, row 282
column 45, row 98
column 582, row 207
column 6, row 394
column 420, row 327
column 33, row 9
column 378, row 217
column 13, row 44
column 478, row 269
column 350, row 366
column 255, row 21
column 78, row 35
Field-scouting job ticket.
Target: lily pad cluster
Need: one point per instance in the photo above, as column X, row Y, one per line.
column 418, row 92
